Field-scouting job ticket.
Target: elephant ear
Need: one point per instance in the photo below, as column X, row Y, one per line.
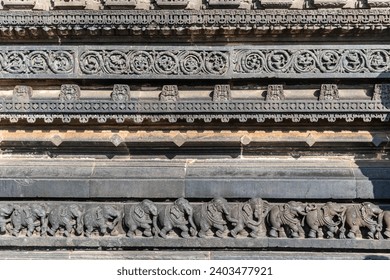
column 27, row 212
column 176, row 212
column 363, row 211
column 139, row 212
column 326, row 211
column 247, row 209
column 212, row 208
column 99, row 213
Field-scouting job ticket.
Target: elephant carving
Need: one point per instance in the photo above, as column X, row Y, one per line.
column 213, row 214
column 141, row 216
column 30, row 217
column 327, row 217
column 282, row 217
column 102, row 218
column 5, row 213
column 362, row 216
column 67, row 217
column 251, row 215
column 177, row 215
column 385, row 217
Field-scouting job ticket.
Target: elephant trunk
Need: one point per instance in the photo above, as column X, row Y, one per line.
column 156, row 229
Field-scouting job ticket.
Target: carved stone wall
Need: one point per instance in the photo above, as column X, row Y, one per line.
column 247, row 125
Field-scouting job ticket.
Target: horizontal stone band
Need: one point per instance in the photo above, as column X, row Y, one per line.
column 156, row 62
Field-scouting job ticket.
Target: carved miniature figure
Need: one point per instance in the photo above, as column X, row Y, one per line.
column 358, row 216
column 30, row 217
column 213, row 214
column 177, row 215
column 103, row 218
column 5, row 213
column 67, row 217
column 141, row 216
column 327, row 217
column 250, row 214
column 287, row 215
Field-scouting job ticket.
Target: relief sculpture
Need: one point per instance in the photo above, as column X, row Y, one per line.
column 254, row 218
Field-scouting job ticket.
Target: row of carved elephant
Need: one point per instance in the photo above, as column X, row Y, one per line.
column 253, row 218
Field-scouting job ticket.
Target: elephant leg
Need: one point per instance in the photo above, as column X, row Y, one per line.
column 3, row 226
column 30, row 229
column 54, row 227
column 88, row 230
column 313, row 231
column 163, row 232
column 295, row 231
column 131, row 231
column 68, row 229
column 184, row 231
column 220, row 230
column 387, row 232
column 147, row 230
column 16, row 229
column 237, row 229
column 331, row 232
column 103, row 229
column 353, row 231
column 372, row 230
column 204, row 227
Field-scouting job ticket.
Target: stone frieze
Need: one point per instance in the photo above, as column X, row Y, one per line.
column 168, row 106
column 252, row 219
column 186, row 62
column 181, row 22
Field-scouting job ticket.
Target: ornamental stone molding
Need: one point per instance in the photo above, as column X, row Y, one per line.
column 119, row 62
column 181, row 219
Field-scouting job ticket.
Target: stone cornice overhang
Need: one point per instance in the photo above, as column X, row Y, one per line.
column 165, row 23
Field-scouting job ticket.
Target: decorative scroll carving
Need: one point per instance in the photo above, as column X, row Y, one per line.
column 221, row 93
column 120, row 93
column 250, row 219
column 329, row 92
column 381, row 92
column 196, row 63
column 169, row 93
column 22, row 94
column 275, row 92
column 142, row 216
column 69, row 92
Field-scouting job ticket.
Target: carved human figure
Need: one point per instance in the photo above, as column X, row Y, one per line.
column 31, row 217
column 251, row 215
column 102, row 218
column 287, row 215
column 213, row 214
column 362, row 216
column 5, row 213
column 67, row 217
column 141, row 216
column 177, row 215
column 327, row 217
